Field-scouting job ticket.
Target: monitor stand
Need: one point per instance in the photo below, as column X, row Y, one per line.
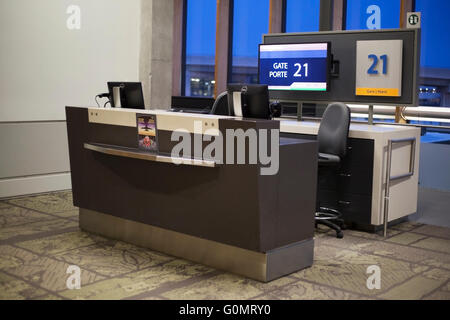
column 299, row 111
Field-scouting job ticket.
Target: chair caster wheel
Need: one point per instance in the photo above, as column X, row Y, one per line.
column 339, row 235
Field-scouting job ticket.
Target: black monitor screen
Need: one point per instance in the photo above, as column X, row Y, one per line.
column 131, row 95
column 249, row 100
column 295, row 67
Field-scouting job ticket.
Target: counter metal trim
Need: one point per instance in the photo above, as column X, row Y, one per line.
column 136, row 154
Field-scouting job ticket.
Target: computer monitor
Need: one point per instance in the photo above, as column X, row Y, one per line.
column 248, row 100
column 192, row 104
column 295, row 67
column 183, row 102
column 126, row 95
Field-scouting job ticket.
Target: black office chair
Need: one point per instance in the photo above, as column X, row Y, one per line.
column 220, row 106
column 332, row 138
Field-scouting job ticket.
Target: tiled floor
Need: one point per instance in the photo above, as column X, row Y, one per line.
column 39, row 239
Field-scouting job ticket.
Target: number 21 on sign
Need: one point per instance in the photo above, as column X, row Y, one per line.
column 375, row 59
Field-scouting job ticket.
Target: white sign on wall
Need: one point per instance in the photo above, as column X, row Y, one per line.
column 379, row 68
column 413, row 20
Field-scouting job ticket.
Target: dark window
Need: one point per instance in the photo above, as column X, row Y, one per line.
column 373, row 14
column 250, row 22
column 302, row 16
column 435, row 53
column 200, row 48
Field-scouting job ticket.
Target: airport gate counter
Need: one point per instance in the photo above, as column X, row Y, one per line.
column 362, row 176
column 228, row 216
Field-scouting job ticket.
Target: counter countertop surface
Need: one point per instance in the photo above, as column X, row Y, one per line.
column 357, row 130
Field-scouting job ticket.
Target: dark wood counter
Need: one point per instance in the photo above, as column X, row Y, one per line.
column 230, row 206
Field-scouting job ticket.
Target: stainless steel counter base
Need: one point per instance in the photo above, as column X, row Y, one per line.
column 256, row 265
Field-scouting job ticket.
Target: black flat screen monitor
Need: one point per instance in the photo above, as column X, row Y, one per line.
column 295, row 67
column 129, row 93
column 248, row 100
column 183, row 102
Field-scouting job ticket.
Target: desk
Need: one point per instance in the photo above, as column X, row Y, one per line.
column 227, row 216
column 363, row 173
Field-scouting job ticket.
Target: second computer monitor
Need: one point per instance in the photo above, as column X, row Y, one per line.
column 249, row 100
column 294, row 68
column 126, row 95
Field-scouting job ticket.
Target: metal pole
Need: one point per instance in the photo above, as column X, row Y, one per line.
column 370, row 114
column 413, row 156
column 386, row 192
column 299, row 111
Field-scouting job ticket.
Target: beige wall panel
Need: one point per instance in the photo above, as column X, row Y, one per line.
column 33, row 148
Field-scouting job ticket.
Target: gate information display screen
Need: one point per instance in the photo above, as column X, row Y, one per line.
column 301, row 66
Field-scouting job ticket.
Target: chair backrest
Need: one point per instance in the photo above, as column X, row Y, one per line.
column 220, row 106
column 333, row 130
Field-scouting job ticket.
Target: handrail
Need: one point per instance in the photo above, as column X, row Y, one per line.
column 422, row 111
column 377, row 122
column 390, row 178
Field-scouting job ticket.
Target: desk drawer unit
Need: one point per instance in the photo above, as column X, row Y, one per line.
column 351, row 192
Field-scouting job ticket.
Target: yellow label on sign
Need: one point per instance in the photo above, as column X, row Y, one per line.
column 379, row 92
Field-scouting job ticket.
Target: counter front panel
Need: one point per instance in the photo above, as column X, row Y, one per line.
column 230, row 203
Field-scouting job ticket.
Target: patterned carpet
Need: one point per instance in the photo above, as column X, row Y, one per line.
column 39, row 239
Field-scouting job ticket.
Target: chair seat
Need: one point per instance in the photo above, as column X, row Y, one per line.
column 328, row 159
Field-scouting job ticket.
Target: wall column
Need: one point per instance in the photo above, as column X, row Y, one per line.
column 222, row 45
column 338, row 15
column 405, row 7
column 326, row 10
column 155, row 61
column 178, row 39
column 276, row 13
